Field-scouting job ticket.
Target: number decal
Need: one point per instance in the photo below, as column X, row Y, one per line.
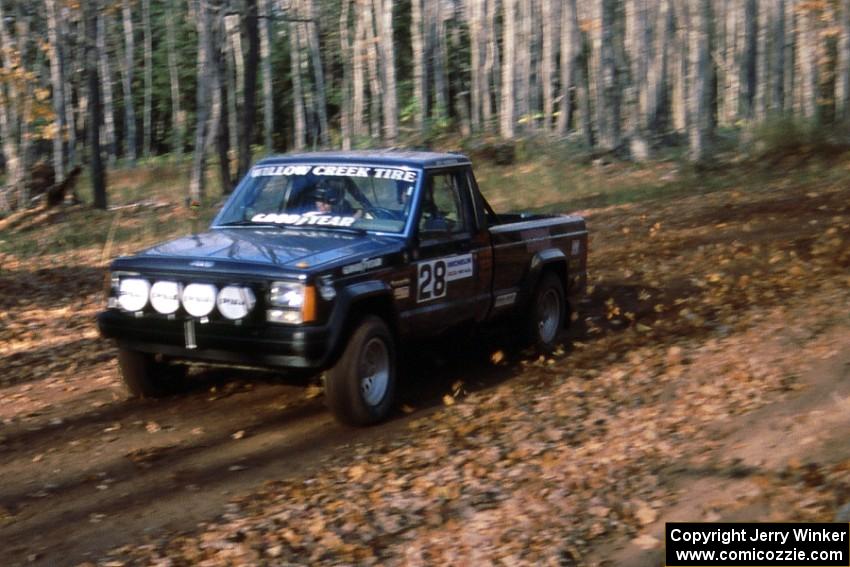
column 432, row 280
column 433, row 277
column 439, row 278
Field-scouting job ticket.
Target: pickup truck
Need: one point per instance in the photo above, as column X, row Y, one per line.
column 330, row 261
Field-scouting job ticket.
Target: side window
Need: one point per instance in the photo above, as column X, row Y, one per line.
column 442, row 206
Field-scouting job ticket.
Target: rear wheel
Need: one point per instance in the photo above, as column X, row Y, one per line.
column 546, row 314
column 360, row 388
column 145, row 377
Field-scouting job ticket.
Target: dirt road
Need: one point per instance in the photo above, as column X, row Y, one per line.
column 707, row 378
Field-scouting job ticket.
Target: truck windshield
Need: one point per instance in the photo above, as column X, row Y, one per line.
column 374, row 198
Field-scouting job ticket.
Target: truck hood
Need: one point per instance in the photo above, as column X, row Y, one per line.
column 264, row 247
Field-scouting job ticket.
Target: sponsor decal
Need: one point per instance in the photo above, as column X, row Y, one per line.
column 394, row 173
column 362, row 266
column 505, row 299
column 311, row 218
column 402, row 292
column 433, row 276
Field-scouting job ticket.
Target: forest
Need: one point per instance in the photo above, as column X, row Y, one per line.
column 93, row 83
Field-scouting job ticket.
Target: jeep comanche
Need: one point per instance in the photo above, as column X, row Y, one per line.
column 329, row 262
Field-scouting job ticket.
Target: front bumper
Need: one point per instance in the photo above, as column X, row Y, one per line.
column 269, row 345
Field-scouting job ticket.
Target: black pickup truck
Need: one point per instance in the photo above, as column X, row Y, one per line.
column 328, row 262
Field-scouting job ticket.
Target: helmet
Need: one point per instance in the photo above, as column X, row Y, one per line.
column 328, row 192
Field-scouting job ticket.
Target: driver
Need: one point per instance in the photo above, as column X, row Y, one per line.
column 329, row 199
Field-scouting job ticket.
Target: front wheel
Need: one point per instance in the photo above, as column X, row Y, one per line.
column 546, row 315
column 360, row 388
column 144, row 377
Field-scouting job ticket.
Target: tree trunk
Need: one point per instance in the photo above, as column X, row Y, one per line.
column 127, row 76
column 748, row 60
column 638, row 51
column 178, row 116
column 108, row 97
column 607, row 87
column 233, row 72
column 249, row 89
column 523, row 67
column 681, row 58
column 299, row 139
column 491, row 64
column 700, row 44
column 842, row 85
column 548, row 54
column 807, row 41
column 763, row 52
column 346, row 56
column 437, row 42
column 147, row 132
column 57, row 81
column 9, row 119
column 385, row 25
column 656, row 93
column 359, row 74
column 321, row 104
column 420, row 66
column 98, row 175
column 473, row 18
column 204, row 112
column 508, row 74
column 570, row 37
column 266, row 71
column 777, row 60
column 375, row 88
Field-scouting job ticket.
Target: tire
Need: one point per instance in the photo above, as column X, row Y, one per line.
column 360, row 388
column 144, row 377
column 546, row 314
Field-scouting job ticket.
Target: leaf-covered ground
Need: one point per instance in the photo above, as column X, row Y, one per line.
column 706, row 377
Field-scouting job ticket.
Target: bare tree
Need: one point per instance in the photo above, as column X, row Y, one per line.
column 300, row 134
column 807, row 35
column 346, row 56
column 638, row 50
column 547, row 60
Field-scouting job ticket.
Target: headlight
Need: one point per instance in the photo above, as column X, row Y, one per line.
column 235, row 302
column 292, row 303
column 133, row 293
column 199, row 299
column 165, row 297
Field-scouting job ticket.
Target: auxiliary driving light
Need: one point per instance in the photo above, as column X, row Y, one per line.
column 133, row 293
column 165, row 297
column 235, row 302
column 199, row 299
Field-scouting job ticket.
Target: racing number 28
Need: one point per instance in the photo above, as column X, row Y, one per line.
column 432, row 280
